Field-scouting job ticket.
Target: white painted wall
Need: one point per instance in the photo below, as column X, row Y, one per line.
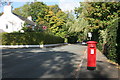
column 8, row 18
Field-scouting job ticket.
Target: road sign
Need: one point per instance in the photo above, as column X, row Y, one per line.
column 89, row 34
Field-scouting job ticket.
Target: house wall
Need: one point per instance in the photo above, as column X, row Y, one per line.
column 12, row 21
column 9, row 19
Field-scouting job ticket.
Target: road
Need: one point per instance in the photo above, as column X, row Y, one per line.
column 58, row 62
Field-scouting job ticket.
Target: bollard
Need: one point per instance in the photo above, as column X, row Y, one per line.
column 91, row 57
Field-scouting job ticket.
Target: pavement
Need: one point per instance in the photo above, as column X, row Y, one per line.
column 31, row 46
column 104, row 69
column 68, row 61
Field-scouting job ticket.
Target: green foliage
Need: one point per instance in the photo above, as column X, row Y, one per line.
column 22, row 11
column 102, row 19
column 54, row 8
column 51, row 16
column 27, row 29
column 72, row 39
column 30, row 38
column 56, row 20
column 79, row 25
column 111, row 40
column 38, row 10
column 106, row 20
column 100, row 14
column 81, row 36
column 107, row 41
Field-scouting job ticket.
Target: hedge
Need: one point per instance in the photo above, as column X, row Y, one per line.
column 111, row 41
column 108, row 41
column 30, row 38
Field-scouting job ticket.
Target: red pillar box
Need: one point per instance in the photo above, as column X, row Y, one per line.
column 91, row 58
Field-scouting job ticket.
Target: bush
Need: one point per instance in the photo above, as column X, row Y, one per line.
column 108, row 41
column 30, row 38
column 111, row 41
column 72, row 39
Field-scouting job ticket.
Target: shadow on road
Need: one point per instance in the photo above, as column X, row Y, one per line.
column 48, row 63
column 21, row 63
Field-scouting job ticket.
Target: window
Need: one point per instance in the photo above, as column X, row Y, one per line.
column 6, row 26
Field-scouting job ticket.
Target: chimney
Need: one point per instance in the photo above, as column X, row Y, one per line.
column 29, row 18
column 8, row 9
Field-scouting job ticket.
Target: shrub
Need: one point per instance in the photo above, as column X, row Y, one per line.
column 72, row 39
column 111, row 41
column 108, row 41
column 30, row 38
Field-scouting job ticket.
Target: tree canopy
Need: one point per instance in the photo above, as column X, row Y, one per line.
column 22, row 11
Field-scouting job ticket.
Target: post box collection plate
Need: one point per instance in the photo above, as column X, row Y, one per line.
column 92, row 51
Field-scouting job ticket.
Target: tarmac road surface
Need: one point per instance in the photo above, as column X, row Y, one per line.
column 69, row 61
column 58, row 62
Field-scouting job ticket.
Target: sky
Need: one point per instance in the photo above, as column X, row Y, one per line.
column 65, row 5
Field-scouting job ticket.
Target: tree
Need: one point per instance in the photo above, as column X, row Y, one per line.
column 92, row 16
column 38, row 10
column 100, row 14
column 22, row 11
column 102, row 18
column 79, row 26
column 56, row 18
column 54, row 8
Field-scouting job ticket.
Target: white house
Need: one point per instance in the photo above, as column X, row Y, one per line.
column 10, row 22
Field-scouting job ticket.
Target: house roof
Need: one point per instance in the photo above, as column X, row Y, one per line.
column 25, row 19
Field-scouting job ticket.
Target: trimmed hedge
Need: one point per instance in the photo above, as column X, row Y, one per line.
column 30, row 38
column 109, row 43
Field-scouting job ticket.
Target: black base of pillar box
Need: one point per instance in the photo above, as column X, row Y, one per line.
column 91, row 68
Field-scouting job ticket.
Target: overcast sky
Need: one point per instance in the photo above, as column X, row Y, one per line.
column 65, row 5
